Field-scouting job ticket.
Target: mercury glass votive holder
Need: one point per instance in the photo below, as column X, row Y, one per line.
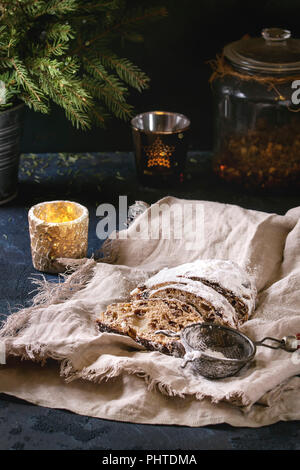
column 58, row 229
column 161, row 143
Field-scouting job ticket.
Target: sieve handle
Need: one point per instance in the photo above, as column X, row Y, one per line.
column 288, row 343
column 170, row 333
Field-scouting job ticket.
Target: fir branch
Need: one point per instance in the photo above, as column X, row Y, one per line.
column 50, row 7
column 23, row 79
column 60, row 32
column 99, row 116
column 57, row 48
column 47, row 45
column 65, row 91
column 76, row 114
column 119, row 108
column 126, row 70
column 97, row 70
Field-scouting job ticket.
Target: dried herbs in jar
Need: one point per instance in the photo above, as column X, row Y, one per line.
column 257, row 124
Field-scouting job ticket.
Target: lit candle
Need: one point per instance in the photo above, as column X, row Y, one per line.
column 161, row 142
column 58, row 229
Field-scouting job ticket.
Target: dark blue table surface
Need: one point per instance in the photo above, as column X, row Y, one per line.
column 92, row 179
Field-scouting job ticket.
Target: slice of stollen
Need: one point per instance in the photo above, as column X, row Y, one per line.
column 140, row 319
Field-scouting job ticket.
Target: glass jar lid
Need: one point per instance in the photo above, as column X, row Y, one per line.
column 274, row 53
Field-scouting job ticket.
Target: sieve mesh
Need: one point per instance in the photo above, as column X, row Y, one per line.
column 223, row 351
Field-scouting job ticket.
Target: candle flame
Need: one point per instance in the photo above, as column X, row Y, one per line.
column 58, row 212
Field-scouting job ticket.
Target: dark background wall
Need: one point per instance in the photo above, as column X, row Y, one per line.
column 174, row 54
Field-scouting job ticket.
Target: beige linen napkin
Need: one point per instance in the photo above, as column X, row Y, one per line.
column 110, row 376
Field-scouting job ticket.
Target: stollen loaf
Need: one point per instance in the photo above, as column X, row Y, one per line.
column 216, row 291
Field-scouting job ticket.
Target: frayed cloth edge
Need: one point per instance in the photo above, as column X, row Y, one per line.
column 48, row 293
column 98, row 376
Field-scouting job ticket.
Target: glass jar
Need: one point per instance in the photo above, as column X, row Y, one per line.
column 256, row 123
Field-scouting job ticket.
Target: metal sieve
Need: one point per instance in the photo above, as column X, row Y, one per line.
column 216, row 351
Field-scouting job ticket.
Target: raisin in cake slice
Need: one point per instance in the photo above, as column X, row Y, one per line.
column 140, row 319
column 225, row 277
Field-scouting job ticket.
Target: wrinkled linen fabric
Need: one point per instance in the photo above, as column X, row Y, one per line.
column 110, row 376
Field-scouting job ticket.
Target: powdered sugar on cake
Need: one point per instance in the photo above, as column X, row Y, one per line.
column 227, row 275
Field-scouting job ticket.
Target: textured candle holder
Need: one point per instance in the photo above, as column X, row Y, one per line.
column 58, row 229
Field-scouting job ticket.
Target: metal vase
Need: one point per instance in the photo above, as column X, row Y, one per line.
column 11, row 126
column 161, row 143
